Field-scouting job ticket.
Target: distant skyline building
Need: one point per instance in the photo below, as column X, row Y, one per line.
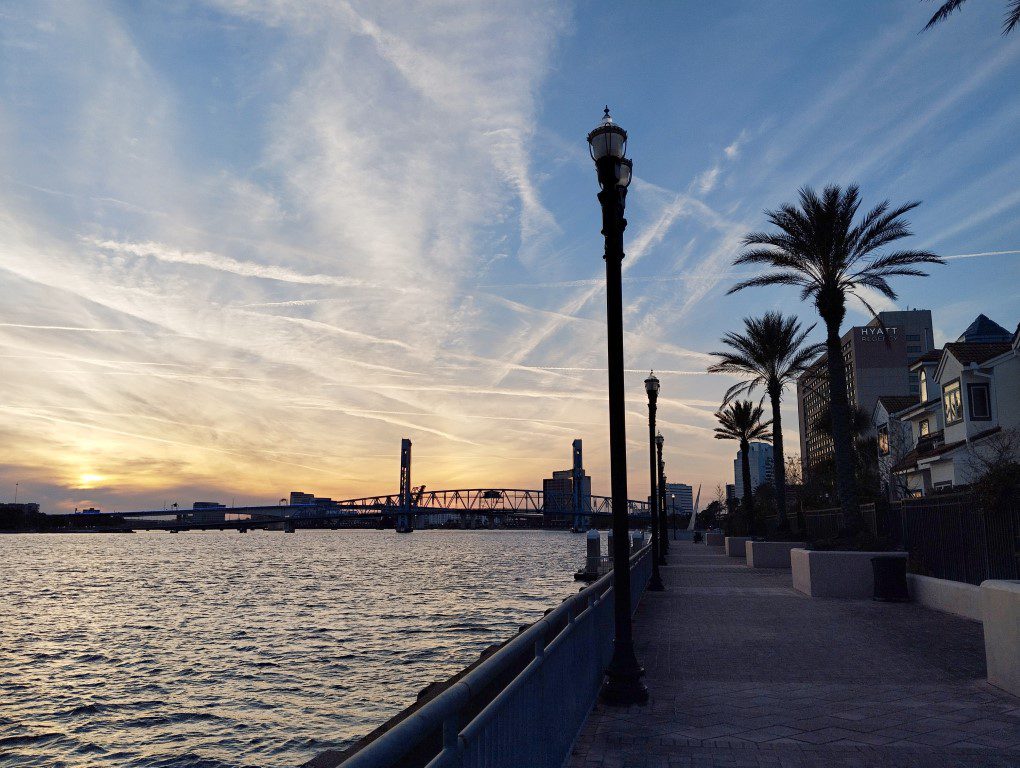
column 876, row 358
column 679, row 499
column 558, row 491
column 762, row 468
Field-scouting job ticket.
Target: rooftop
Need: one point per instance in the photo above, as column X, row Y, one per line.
column 977, row 352
column 894, row 403
column 984, row 329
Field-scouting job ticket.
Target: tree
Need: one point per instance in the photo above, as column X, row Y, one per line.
column 993, row 470
column 770, row 353
column 741, row 420
column 709, row 516
column 794, row 470
column 820, row 249
column 1009, row 21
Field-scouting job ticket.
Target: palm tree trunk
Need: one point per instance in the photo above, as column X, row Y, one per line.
column 748, row 497
column 778, row 464
column 846, row 482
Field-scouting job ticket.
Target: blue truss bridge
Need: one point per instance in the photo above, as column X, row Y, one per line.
column 407, row 509
column 509, row 507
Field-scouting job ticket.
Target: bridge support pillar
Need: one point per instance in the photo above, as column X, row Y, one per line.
column 405, row 518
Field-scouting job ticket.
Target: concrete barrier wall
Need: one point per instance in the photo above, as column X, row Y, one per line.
column 834, row 574
column 735, row 545
column 770, row 554
column 955, row 597
column 1000, row 605
column 714, row 538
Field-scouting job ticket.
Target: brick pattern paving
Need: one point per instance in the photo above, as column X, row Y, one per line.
column 743, row 671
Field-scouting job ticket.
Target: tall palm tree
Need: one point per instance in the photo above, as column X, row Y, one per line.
column 1009, row 21
column 770, row 353
column 741, row 420
column 820, row 249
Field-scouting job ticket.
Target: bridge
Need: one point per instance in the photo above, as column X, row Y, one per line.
column 506, row 506
column 407, row 509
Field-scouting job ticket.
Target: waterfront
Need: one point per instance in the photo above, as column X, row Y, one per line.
column 223, row 649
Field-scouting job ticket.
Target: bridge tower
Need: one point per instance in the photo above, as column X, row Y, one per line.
column 405, row 518
column 579, row 499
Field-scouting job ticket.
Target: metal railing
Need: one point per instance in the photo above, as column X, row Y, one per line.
column 535, row 716
column 952, row 537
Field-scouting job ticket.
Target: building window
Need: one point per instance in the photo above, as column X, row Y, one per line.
column 922, row 428
column 913, row 337
column 913, row 347
column 951, row 402
column 924, row 386
column 883, row 440
column 979, row 402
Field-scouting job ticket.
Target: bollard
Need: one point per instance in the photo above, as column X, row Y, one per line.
column 594, row 552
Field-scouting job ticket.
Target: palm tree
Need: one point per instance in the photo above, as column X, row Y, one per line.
column 1009, row 21
column 821, row 250
column 741, row 420
column 770, row 353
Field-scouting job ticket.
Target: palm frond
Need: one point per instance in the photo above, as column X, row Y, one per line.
column 943, row 13
column 1012, row 17
column 782, row 278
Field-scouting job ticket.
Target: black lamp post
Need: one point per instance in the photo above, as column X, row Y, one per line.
column 664, row 548
column 652, row 388
column 608, row 145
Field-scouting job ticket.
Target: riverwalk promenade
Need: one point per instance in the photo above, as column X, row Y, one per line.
column 745, row 672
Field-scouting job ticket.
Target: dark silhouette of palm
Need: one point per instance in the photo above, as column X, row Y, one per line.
column 770, row 354
column 1009, row 21
column 820, row 249
column 741, row 420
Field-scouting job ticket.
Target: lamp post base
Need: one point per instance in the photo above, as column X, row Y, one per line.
column 623, row 686
column 655, row 584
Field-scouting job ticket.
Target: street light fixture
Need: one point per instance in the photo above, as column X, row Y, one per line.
column 652, row 388
column 608, row 145
column 663, row 545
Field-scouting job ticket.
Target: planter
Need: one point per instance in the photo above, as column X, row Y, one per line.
column 714, row 538
column 889, row 574
column 735, row 545
column 770, row 554
column 1000, row 604
column 835, row 573
column 955, row 597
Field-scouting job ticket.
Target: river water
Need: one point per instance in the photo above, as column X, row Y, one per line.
column 221, row 649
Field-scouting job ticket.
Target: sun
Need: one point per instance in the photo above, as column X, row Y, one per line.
column 88, row 480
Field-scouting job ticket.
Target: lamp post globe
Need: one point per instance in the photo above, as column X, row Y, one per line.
column 652, row 388
column 608, row 146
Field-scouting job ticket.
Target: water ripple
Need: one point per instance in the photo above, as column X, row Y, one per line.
column 222, row 650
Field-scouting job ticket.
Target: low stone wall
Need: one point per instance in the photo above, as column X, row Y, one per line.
column 714, row 538
column 770, row 554
column 1000, row 605
column 735, row 545
column 834, row 573
column 955, row 597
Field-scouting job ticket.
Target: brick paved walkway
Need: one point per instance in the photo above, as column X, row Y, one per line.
column 744, row 671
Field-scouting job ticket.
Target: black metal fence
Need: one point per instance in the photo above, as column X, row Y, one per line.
column 948, row 536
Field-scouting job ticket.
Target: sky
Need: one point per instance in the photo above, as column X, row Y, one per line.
column 246, row 247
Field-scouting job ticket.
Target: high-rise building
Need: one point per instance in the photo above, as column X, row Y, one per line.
column 679, row 499
column 762, row 468
column 559, row 501
column 876, row 357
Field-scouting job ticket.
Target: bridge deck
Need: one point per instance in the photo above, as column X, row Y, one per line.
column 744, row 671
